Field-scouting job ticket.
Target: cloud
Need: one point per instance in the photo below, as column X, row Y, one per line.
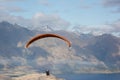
column 11, row 9
column 9, row 5
column 38, row 21
column 116, row 26
column 14, row 19
column 44, row 2
column 41, row 20
column 112, row 28
column 112, row 4
column 54, row 21
column 10, row 0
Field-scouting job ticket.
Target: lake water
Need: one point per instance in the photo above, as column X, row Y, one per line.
column 115, row 76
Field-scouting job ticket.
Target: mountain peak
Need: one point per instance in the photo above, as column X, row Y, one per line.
column 47, row 28
column 86, row 50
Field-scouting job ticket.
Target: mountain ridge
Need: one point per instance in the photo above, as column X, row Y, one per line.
column 85, row 55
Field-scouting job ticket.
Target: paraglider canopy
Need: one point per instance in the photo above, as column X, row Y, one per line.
column 40, row 36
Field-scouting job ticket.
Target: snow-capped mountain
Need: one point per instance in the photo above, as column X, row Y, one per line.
column 89, row 53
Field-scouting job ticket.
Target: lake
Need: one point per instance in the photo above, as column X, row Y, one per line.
column 115, row 76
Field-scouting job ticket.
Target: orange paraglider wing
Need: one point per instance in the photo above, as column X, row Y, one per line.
column 40, row 36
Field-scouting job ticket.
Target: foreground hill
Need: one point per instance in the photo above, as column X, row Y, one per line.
column 32, row 76
column 89, row 53
column 36, row 76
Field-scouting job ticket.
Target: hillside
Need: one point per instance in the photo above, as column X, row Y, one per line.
column 89, row 53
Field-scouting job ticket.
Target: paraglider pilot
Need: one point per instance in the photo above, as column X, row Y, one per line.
column 40, row 36
column 47, row 72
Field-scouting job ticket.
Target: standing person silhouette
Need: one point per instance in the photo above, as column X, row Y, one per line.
column 47, row 72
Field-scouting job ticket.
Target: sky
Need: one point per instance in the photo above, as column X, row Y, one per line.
column 86, row 16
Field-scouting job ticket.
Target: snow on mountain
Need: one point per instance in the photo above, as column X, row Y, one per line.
column 89, row 53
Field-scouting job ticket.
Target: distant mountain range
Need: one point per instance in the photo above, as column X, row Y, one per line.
column 89, row 53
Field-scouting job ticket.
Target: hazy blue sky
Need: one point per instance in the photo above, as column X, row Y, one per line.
column 97, row 16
